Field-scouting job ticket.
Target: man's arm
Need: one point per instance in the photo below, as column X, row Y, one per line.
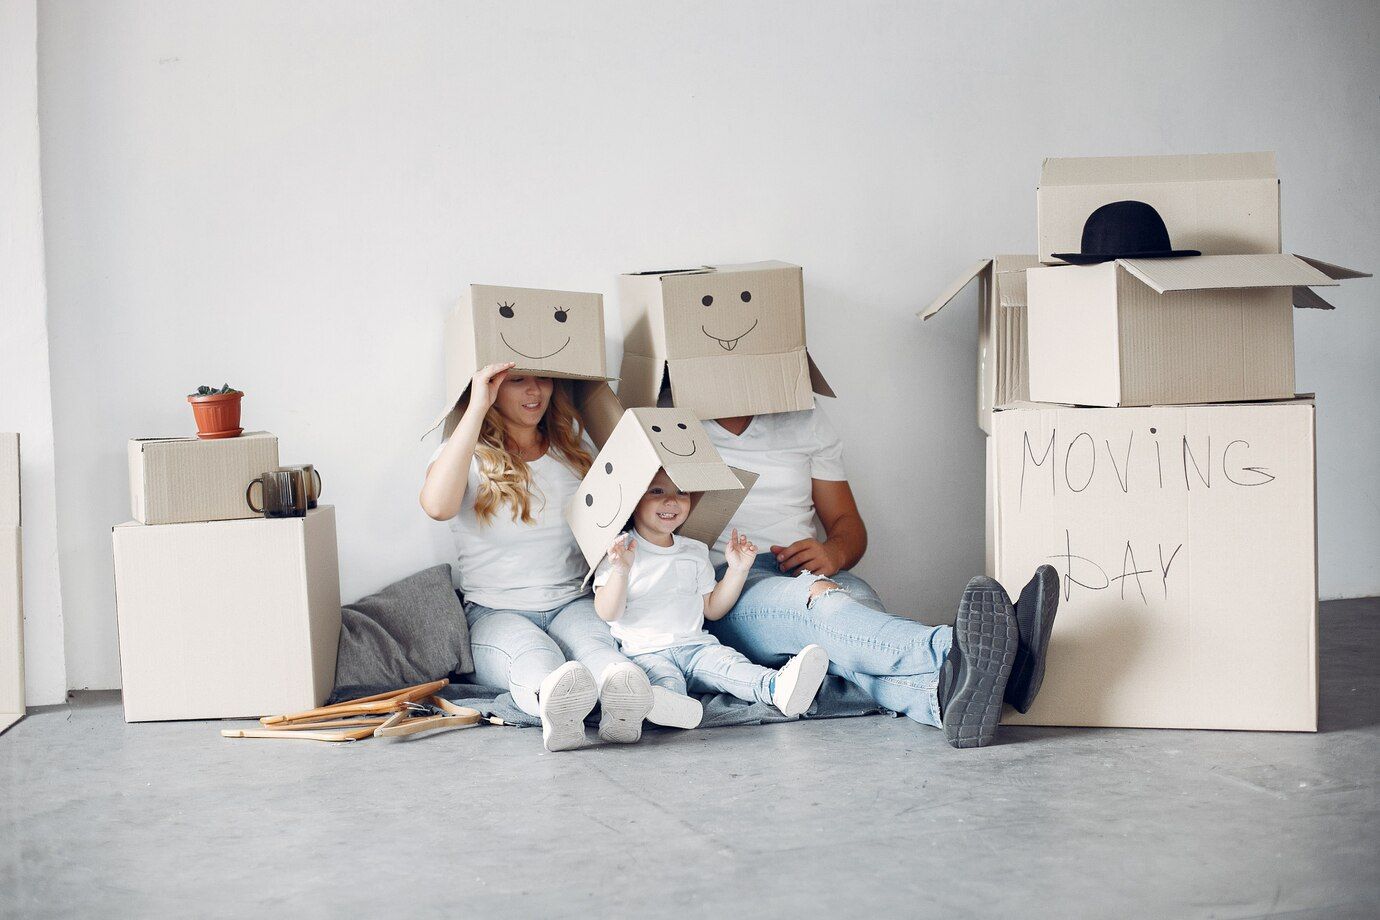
column 845, row 533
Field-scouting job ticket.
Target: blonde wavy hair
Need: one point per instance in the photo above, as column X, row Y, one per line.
column 506, row 479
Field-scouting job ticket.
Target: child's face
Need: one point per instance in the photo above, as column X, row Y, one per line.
column 663, row 507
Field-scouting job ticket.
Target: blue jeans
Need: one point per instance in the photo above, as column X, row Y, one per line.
column 895, row 660
column 518, row 648
column 707, row 667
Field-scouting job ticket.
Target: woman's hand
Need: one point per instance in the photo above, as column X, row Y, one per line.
column 621, row 553
column 485, row 383
column 806, row 554
column 740, row 552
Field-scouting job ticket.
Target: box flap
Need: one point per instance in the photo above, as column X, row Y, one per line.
column 817, row 382
column 712, row 511
column 742, row 384
column 1202, row 273
column 954, row 288
column 1336, row 272
column 1011, row 289
column 1309, row 299
column 1209, row 167
column 599, row 409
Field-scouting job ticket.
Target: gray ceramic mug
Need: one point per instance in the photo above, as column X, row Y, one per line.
column 283, row 494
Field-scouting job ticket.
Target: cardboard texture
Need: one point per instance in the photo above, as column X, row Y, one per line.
column 183, row 480
column 11, row 586
column 1185, row 540
column 9, row 479
column 1003, row 372
column 227, row 619
column 1164, row 331
column 644, row 441
column 730, row 339
column 547, row 333
column 1219, row 204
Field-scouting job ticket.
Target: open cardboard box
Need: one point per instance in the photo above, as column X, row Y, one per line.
column 644, row 441
column 11, row 586
column 556, row 334
column 729, row 338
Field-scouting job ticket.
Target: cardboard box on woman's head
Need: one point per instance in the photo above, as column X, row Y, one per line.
column 644, row 441
column 547, row 333
column 730, row 339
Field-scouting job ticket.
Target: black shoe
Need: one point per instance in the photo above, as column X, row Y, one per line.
column 1035, row 611
column 974, row 676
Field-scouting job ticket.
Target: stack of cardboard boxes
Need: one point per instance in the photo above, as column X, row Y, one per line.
column 11, row 586
column 223, row 613
column 1146, row 440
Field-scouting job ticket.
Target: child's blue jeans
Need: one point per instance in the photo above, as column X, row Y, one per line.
column 707, row 667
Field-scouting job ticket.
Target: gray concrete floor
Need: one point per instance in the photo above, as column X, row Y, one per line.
column 844, row 818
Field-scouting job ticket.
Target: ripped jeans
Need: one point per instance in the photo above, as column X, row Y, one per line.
column 895, row 660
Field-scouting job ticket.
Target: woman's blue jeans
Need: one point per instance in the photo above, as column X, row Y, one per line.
column 895, row 660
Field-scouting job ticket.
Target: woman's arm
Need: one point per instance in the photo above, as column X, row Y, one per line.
column 845, row 534
column 447, row 476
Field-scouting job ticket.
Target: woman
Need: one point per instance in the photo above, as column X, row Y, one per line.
column 502, row 480
column 952, row 677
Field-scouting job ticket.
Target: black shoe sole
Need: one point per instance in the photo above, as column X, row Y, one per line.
column 1035, row 611
column 987, row 637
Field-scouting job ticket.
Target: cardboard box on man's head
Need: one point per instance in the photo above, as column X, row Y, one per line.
column 546, row 333
column 646, row 440
column 730, row 339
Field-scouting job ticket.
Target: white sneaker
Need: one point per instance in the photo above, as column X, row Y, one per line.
column 625, row 698
column 674, row 710
column 798, row 681
column 566, row 696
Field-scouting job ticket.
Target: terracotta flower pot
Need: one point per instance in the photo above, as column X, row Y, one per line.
column 217, row 416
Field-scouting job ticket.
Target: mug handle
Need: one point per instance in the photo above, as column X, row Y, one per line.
column 250, row 488
column 319, row 487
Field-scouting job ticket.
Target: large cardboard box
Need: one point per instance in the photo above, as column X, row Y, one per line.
column 11, row 586
column 730, row 339
column 1219, row 204
column 181, row 480
column 227, row 619
column 644, row 441
column 1003, row 371
column 1141, row 332
column 1185, row 541
column 9, row 478
column 548, row 333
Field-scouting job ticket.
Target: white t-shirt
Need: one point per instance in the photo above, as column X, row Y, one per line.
column 666, row 589
column 787, row 450
column 515, row 566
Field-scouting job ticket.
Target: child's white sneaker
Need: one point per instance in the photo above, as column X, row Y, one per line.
column 625, row 698
column 566, row 696
column 674, row 710
column 798, row 681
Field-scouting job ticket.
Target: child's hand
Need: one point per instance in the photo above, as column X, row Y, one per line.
column 740, row 552
column 621, row 553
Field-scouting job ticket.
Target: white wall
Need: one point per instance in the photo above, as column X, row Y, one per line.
column 25, row 396
column 288, row 196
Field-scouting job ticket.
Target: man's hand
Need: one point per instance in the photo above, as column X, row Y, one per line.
column 806, row 554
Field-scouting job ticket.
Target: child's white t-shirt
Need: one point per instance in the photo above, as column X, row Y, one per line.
column 666, row 589
column 509, row 565
column 786, row 450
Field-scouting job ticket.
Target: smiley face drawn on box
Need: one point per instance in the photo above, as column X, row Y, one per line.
column 551, row 331
column 747, row 310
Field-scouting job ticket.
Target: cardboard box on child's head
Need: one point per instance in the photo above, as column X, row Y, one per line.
column 730, row 339
column 546, row 333
column 644, row 441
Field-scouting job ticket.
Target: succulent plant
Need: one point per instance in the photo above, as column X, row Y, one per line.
column 222, row 390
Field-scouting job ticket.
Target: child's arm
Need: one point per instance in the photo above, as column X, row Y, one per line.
column 611, row 597
column 739, row 554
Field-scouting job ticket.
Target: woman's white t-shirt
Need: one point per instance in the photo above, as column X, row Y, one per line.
column 510, row 565
column 665, row 601
column 786, row 450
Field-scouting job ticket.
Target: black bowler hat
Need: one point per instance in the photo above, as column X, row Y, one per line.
column 1124, row 230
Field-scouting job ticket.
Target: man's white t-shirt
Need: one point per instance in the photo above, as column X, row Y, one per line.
column 510, row 565
column 666, row 589
column 786, row 450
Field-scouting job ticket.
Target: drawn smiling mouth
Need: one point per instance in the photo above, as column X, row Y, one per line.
column 539, row 357
column 693, row 446
column 727, row 344
column 615, row 510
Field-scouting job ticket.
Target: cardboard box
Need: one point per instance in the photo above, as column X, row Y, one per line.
column 9, row 479
column 11, row 586
column 227, row 619
column 1003, row 372
column 547, row 333
column 182, row 480
column 1185, row 540
column 1219, row 204
column 730, row 339
column 644, row 441
column 1141, row 332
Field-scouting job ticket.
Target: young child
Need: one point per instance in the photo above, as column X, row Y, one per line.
column 656, row 590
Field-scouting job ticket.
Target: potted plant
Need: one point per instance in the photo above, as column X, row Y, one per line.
column 217, row 411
